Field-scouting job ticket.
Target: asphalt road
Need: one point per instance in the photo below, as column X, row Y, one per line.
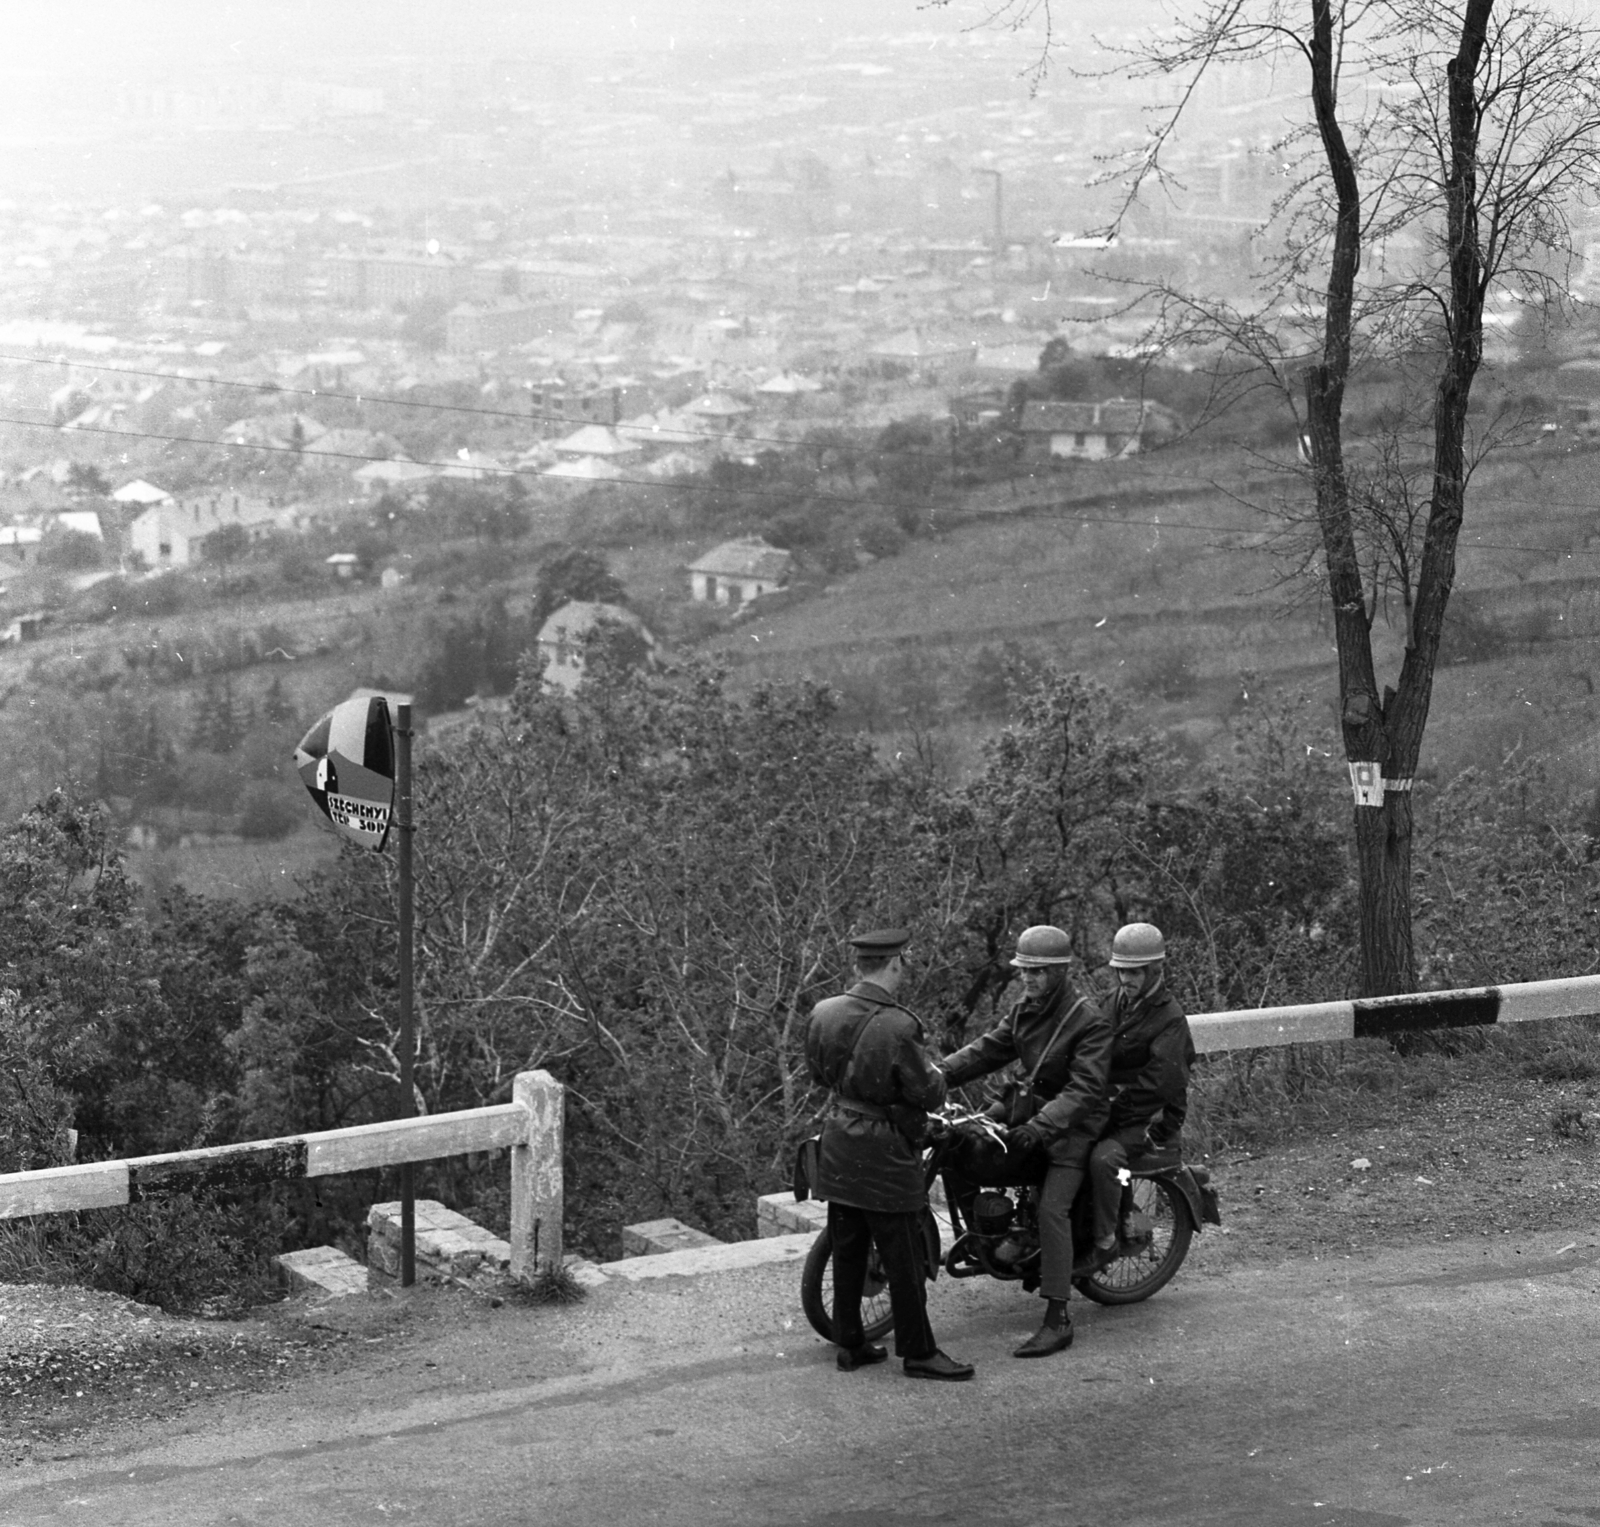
column 1456, row 1384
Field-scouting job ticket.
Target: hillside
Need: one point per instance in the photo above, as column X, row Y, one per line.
column 1175, row 584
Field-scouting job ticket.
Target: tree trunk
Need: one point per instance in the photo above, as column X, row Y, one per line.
column 1383, row 832
column 1383, row 856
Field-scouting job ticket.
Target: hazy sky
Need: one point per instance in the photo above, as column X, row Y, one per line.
column 126, row 34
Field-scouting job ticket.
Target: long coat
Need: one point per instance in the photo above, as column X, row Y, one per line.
column 1152, row 1053
column 884, row 1088
column 1073, row 1078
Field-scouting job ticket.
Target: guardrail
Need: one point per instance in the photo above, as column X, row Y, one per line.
column 531, row 1124
column 1368, row 1017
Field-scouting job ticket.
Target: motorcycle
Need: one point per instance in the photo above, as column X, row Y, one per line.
column 1165, row 1204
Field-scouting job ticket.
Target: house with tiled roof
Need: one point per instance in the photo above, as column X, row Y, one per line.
column 1118, row 427
column 736, row 572
column 564, row 637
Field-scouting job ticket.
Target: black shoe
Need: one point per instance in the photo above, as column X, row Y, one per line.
column 1098, row 1257
column 936, row 1366
column 1047, row 1340
column 864, row 1356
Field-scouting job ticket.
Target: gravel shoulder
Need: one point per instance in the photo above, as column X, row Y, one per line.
column 1481, row 1156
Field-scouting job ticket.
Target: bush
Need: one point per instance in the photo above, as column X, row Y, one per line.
column 1167, row 674
column 298, row 569
column 270, row 811
column 186, row 1252
column 881, row 537
column 71, row 551
column 1470, row 635
column 165, row 595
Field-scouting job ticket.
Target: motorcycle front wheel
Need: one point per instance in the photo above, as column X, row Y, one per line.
column 816, row 1292
column 1150, row 1264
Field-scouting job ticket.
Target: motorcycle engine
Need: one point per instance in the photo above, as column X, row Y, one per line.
column 992, row 1213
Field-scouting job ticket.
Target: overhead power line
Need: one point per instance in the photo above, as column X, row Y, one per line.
column 274, row 389
column 670, row 485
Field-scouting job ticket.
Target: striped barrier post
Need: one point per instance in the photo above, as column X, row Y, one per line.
column 530, row 1125
column 1380, row 1017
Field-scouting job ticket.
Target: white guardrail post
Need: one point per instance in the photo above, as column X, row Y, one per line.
column 536, row 1175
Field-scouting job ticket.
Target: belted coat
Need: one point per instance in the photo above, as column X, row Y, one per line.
column 1069, row 1061
column 868, row 1050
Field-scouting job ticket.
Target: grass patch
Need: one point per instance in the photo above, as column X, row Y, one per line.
column 1250, row 1098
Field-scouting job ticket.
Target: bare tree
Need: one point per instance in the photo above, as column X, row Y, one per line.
column 1442, row 146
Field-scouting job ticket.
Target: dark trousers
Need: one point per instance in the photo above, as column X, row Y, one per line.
column 898, row 1238
column 1105, row 1161
column 976, row 1163
column 1061, row 1184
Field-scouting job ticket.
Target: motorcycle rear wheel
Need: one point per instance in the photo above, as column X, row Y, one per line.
column 816, row 1292
column 1138, row 1274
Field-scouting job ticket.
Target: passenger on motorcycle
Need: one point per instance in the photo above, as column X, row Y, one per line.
column 1063, row 1043
column 1152, row 1053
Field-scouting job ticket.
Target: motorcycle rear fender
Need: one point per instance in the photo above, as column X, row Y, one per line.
column 1183, row 1179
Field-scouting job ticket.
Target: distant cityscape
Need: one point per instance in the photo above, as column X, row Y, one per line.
column 624, row 265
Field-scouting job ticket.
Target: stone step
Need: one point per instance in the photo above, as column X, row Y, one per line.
column 656, row 1236
column 447, row 1244
column 783, row 1214
column 720, row 1256
column 321, row 1270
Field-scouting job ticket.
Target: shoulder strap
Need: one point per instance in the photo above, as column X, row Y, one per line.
column 861, row 1023
column 1044, row 1054
column 878, row 1005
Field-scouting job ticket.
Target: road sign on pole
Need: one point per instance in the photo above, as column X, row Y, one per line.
column 347, row 761
column 351, row 761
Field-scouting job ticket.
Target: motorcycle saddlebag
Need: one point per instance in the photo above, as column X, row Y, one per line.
column 1210, row 1205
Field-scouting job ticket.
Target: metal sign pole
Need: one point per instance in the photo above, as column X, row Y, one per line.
column 408, row 1045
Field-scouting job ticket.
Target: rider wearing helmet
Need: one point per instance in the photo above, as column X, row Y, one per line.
column 1063, row 1043
column 1152, row 1053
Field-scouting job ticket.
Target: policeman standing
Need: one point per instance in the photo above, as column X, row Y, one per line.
column 868, row 1050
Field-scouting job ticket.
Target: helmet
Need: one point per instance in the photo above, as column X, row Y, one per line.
column 1042, row 945
column 1137, row 944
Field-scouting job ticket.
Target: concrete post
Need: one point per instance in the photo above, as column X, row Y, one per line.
column 536, row 1179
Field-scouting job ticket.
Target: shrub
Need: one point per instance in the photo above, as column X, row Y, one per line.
column 166, row 595
column 186, row 1252
column 71, row 551
column 270, row 811
column 1569, row 1122
column 881, row 537
column 1470, row 635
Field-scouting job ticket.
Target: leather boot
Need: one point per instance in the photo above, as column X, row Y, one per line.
column 1054, row 1335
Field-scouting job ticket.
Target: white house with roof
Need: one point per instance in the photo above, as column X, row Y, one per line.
column 563, row 637
column 171, row 534
column 1117, row 427
column 595, row 440
column 140, row 492
column 397, row 475
column 736, row 572
column 84, row 522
